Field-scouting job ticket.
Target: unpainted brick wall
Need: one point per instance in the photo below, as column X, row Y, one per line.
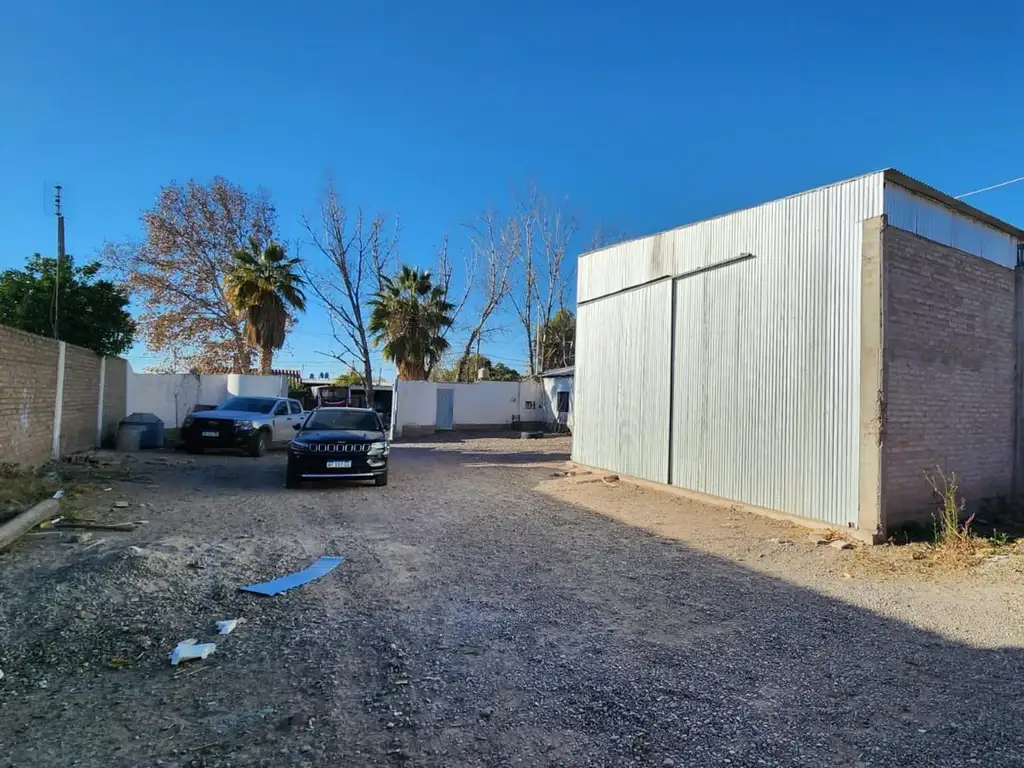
column 81, row 400
column 28, row 373
column 949, row 374
column 28, row 391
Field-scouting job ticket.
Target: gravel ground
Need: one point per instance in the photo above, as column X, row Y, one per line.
column 491, row 613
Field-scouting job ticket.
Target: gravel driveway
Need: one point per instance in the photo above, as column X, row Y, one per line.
column 489, row 613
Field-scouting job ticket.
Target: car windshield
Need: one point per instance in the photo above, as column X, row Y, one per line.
column 338, row 418
column 248, row 404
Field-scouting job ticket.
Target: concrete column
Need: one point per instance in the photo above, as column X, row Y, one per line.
column 1018, row 374
column 58, row 406
column 99, row 403
column 871, row 513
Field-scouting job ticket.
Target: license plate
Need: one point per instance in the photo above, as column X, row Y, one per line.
column 339, row 464
column 211, row 434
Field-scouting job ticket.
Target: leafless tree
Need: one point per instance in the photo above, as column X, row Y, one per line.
column 494, row 250
column 544, row 237
column 357, row 253
column 444, row 273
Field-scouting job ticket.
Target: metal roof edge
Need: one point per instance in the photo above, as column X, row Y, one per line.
column 555, row 373
column 736, row 210
column 924, row 190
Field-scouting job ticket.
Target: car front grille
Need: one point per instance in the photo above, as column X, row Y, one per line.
column 340, row 447
column 213, row 423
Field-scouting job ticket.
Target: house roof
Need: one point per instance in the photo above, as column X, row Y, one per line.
column 557, row 373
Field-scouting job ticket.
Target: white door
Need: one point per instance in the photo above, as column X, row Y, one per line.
column 445, row 419
column 282, row 423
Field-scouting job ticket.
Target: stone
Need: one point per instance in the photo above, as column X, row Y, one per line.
column 81, row 538
column 840, row 544
column 120, row 505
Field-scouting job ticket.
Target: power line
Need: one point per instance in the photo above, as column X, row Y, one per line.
column 986, row 189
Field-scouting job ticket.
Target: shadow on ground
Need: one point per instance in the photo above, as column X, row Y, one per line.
column 523, row 631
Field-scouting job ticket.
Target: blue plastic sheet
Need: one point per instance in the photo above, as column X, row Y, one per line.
column 320, row 568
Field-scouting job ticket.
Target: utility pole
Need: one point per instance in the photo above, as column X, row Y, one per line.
column 60, row 260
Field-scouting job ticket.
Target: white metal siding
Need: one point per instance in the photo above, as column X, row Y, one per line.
column 928, row 218
column 621, row 399
column 837, row 208
column 764, row 407
column 767, row 351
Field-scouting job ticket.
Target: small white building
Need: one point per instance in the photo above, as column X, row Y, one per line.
column 426, row 407
column 814, row 355
column 558, row 397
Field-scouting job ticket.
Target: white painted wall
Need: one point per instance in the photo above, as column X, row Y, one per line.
column 415, row 405
column 257, row 386
column 476, row 403
column 172, row 396
column 551, row 389
column 486, row 402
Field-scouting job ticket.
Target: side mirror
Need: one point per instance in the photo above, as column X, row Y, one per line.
column 296, row 427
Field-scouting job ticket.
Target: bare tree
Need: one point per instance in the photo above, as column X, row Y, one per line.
column 357, row 253
column 494, row 249
column 445, row 272
column 545, row 236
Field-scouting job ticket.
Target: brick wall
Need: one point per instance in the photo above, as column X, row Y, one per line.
column 81, row 400
column 115, row 397
column 949, row 374
column 28, row 389
column 28, row 371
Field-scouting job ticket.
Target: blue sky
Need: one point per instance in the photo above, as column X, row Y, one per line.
column 644, row 115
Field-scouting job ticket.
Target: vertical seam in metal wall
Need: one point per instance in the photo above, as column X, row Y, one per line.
column 671, row 379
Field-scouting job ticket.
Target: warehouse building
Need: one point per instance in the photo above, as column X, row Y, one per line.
column 815, row 355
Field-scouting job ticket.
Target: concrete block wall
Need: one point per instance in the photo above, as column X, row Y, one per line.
column 29, row 372
column 949, row 355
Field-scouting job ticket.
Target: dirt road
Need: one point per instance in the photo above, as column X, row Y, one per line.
column 489, row 614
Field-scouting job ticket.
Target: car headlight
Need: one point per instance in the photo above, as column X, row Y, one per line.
column 243, row 425
column 187, row 422
column 299, row 444
column 379, row 448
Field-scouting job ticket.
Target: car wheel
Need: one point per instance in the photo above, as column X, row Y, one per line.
column 193, row 448
column 292, row 479
column 381, row 480
column 259, row 444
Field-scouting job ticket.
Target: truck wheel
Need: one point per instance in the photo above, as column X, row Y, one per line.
column 192, row 448
column 259, row 444
column 381, row 480
column 292, row 479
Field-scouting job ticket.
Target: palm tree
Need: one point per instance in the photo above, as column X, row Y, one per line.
column 264, row 287
column 408, row 317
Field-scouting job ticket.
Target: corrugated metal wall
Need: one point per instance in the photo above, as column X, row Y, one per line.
column 622, row 382
column 931, row 219
column 766, row 351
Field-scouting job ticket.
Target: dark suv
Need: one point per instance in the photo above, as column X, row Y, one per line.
column 339, row 443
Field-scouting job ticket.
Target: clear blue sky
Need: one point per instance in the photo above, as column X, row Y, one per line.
column 645, row 114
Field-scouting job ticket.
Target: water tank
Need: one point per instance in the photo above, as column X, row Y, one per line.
column 152, row 435
column 129, row 436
